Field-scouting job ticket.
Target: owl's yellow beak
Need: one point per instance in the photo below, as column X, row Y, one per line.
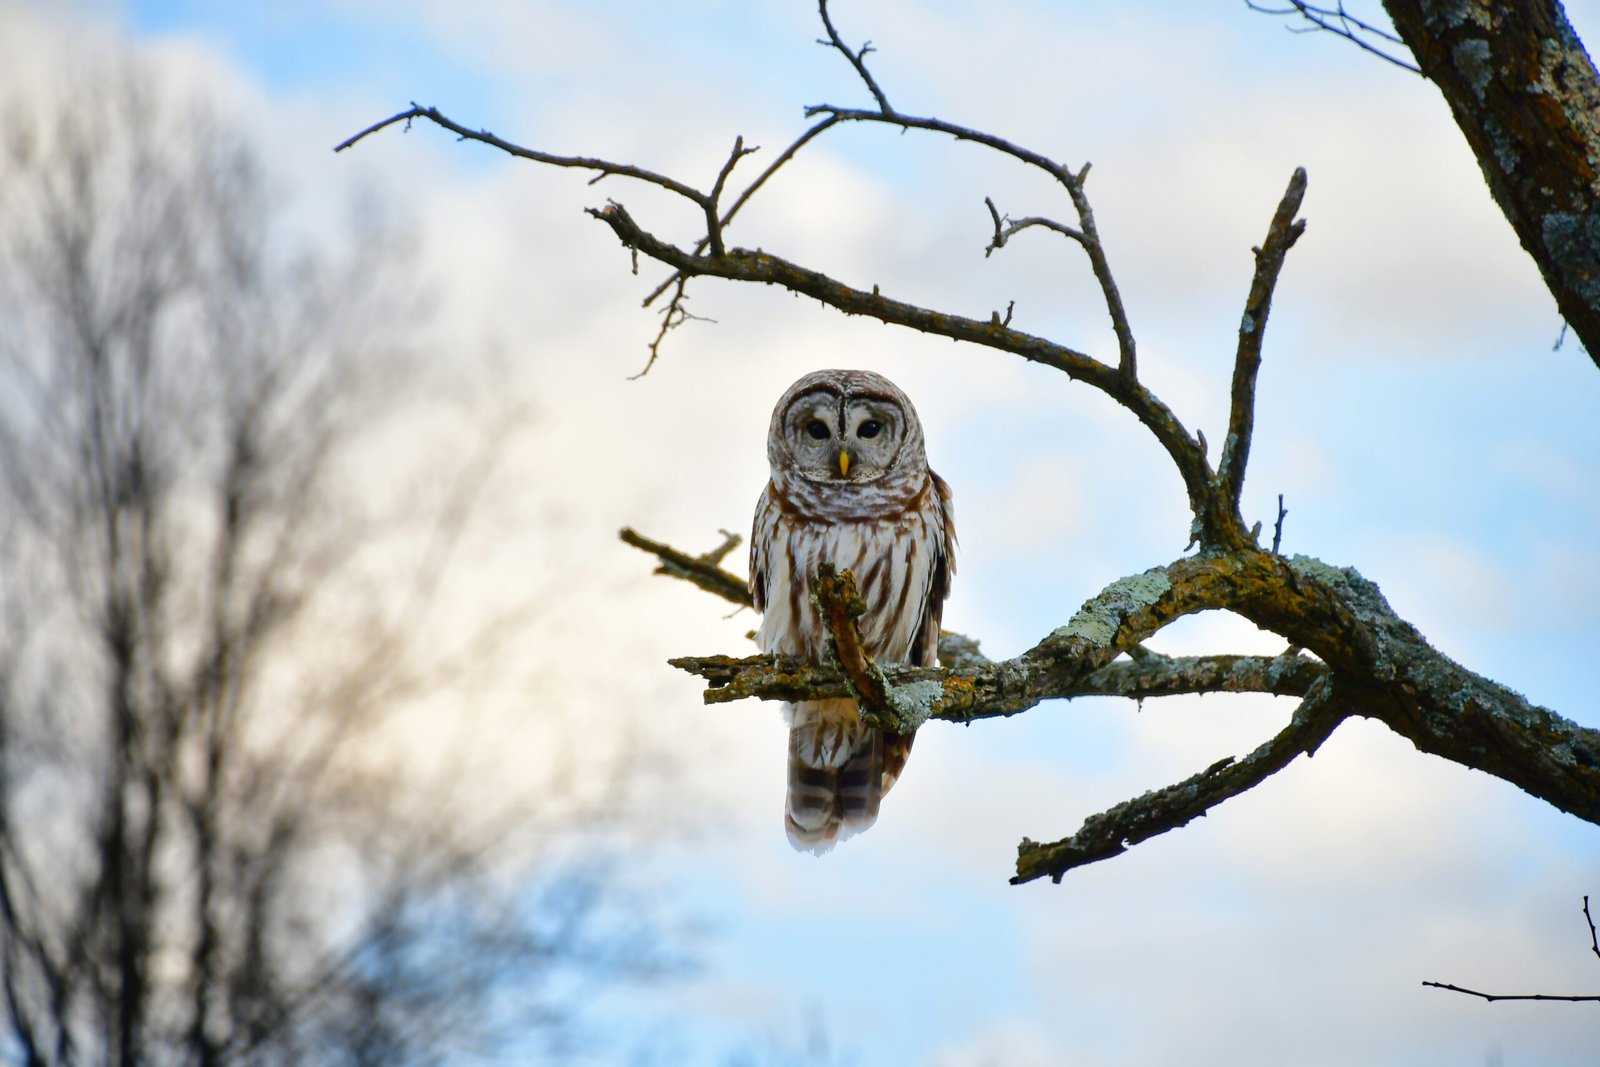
column 844, row 464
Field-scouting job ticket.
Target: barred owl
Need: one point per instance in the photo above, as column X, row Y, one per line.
column 850, row 486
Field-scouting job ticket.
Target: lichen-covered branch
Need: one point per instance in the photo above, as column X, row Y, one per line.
column 1527, row 97
column 1336, row 614
column 783, row 678
column 841, row 606
column 1112, row 832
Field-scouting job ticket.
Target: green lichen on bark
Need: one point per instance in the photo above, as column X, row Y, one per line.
column 1098, row 621
column 914, row 703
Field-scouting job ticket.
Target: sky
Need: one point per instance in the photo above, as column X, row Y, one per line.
column 1414, row 410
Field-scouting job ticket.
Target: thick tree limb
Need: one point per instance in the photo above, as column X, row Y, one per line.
column 1527, row 97
column 1440, row 706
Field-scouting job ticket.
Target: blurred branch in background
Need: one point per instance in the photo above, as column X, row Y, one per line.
column 210, row 851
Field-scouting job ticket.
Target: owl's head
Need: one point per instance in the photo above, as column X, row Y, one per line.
column 845, row 428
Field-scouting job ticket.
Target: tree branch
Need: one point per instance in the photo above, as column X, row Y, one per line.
column 1072, row 181
column 1594, row 945
column 857, row 58
column 1340, row 23
column 1525, row 94
column 1220, row 527
column 1284, row 231
column 1507, row 996
column 1114, row 830
column 605, row 167
column 703, row 570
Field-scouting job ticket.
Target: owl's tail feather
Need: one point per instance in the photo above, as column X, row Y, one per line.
column 839, row 770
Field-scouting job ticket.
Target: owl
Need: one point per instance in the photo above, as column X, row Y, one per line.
column 851, row 487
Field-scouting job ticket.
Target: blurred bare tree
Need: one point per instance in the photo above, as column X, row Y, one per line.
column 204, row 859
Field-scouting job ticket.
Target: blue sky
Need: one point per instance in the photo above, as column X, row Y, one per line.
column 1411, row 411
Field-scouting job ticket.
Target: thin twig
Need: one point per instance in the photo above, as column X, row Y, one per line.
column 857, row 58
column 1508, row 996
column 1277, row 527
column 1349, row 27
column 672, row 316
column 605, row 167
column 1006, row 227
column 1594, row 943
column 713, row 223
column 744, row 197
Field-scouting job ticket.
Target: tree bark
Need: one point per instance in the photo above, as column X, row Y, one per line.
column 1526, row 95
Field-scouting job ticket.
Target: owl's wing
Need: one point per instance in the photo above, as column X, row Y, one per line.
column 925, row 648
column 761, row 534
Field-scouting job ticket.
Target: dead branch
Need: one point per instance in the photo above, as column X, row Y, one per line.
column 1506, row 996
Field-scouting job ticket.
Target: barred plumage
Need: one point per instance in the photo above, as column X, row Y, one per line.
column 850, row 486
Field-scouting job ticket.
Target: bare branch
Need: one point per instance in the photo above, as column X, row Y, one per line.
column 1212, row 514
column 1113, row 831
column 713, row 223
column 703, row 571
column 1005, row 228
column 1284, row 231
column 1340, row 23
column 606, row 168
column 1594, row 945
column 1594, row 941
column 1072, row 181
column 857, row 58
column 1508, row 996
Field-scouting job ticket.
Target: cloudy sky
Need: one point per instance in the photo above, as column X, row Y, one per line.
column 1413, row 410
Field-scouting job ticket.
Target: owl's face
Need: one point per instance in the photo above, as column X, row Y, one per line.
column 842, row 427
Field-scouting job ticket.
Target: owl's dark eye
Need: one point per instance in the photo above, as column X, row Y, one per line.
column 869, row 429
column 818, row 430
